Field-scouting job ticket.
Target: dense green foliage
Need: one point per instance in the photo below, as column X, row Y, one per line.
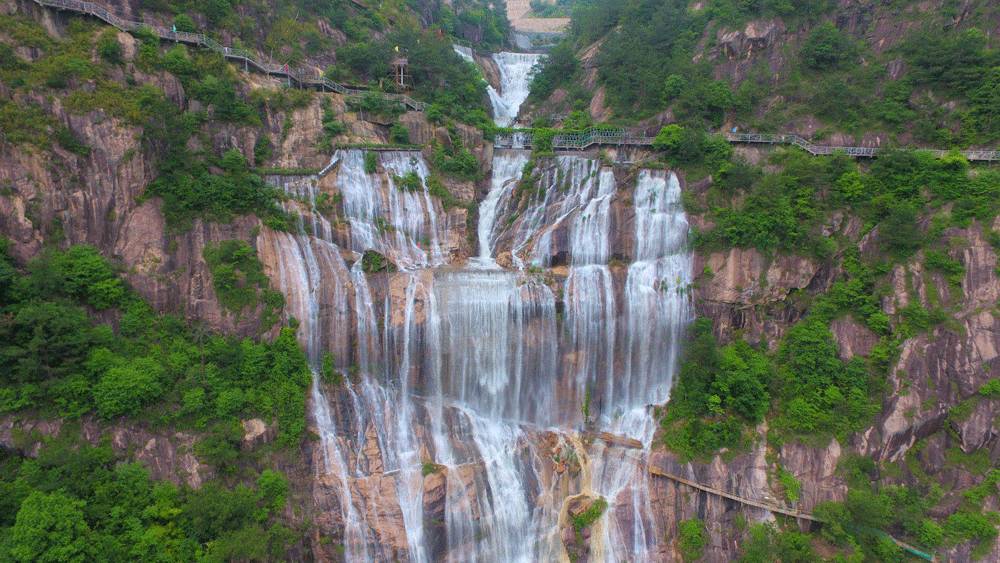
column 691, row 539
column 654, row 56
column 438, row 75
column 76, row 502
column 58, row 361
column 373, row 263
column 718, row 393
column 239, row 280
column 766, row 543
column 454, row 159
column 785, row 210
column 587, row 518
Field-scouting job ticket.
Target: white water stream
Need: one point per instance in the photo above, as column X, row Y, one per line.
column 456, row 433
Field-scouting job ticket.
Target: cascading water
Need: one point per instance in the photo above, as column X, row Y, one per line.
column 507, row 168
column 456, row 436
column 515, row 84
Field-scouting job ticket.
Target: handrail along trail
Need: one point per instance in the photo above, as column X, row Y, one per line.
column 771, row 507
column 301, row 77
column 625, row 137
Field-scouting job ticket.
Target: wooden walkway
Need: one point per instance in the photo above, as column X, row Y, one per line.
column 300, row 77
column 770, row 507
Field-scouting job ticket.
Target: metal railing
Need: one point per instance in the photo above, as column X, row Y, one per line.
column 861, row 152
column 575, row 141
column 596, row 136
column 301, row 77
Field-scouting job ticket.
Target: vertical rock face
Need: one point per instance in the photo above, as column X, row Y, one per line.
column 932, row 387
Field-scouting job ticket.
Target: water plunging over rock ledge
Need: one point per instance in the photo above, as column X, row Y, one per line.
column 457, row 431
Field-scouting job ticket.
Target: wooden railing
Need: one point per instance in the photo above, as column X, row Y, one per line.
column 301, row 77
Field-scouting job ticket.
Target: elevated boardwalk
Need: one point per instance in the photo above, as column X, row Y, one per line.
column 626, row 137
column 860, row 152
column 576, row 141
column 771, row 507
column 299, row 77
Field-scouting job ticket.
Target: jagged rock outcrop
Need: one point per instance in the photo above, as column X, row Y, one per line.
column 168, row 455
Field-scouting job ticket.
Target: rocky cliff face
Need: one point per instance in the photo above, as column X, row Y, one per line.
column 932, row 405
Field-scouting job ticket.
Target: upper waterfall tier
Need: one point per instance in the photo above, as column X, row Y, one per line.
column 390, row 209
column 515, row 71
column 515, row 84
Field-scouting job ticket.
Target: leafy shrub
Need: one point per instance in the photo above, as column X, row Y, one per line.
column 371, row 162
column 398, row 134
column 127, row 388
column 108, row 47
column 331, row 126
column 409, row 183
column 221, row 446
column 373, row 262
column 455, row 160
column 827, row 48
column 238, row 276
column 691, row 539
column 50, row 527
column 183, row 22
column 587, row 518
column 718, row 393
column 820, row 395
column 991, row 389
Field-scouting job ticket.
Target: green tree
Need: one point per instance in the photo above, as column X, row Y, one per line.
column 827, row 48
column 691, row 539
column 273, row 487
column 50, row 528
column 125, row 389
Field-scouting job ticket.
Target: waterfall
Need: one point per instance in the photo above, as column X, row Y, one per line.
column 310, row 271
column 656, row 312
column 507, row 168
column 515, row 83
column 657, row 305
column 386, row 215
column 466, row 385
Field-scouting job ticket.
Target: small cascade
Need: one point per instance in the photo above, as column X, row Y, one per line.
column 656, row 313
column 465, row 53
column 657, row 308
column 507, row 168
column 310, row 272
column 515, row 85
column 386, row 211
